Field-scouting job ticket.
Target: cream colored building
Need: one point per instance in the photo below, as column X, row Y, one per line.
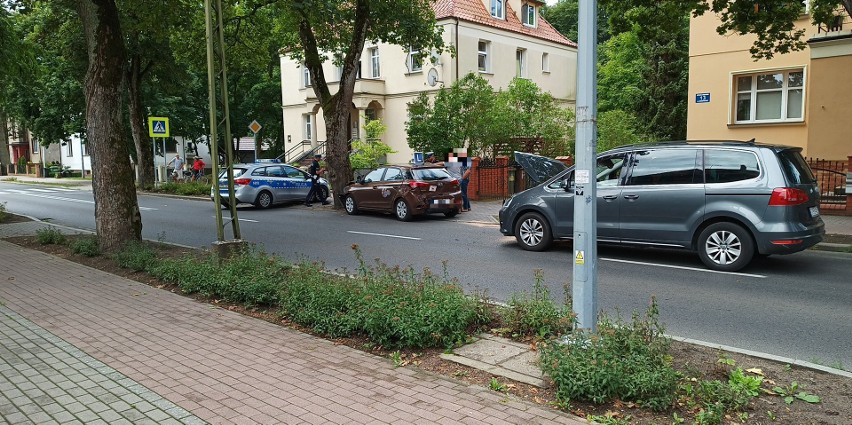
column 498, row 39
column 799, row 98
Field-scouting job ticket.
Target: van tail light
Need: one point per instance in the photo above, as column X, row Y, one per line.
column 242, row 182
column 418, row 185
column 787, row 196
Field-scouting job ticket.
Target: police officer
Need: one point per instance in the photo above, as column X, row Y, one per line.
column 315, row 171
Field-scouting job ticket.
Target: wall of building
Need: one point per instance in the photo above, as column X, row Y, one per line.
column 829, row 124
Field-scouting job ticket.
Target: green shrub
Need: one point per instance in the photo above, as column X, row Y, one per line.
column 536, row 314
column 629, row 362
column 252, row 278
column 137, row 256
column 3, row 214
column 395, row 307
column 87, row 246
column 185, row 188
column 50, row 236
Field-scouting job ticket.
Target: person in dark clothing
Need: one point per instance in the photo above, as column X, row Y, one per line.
column 315, row 172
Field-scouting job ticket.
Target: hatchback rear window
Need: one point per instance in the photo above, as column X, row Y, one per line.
column 795, row 167
column 430, row 174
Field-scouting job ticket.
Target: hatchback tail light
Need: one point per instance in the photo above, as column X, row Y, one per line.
column 418, row 185
column 242, row 182
column 787, row 196
column 454, row 182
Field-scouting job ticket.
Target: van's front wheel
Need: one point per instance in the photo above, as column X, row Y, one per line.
column 725, row 247
column 533, row 232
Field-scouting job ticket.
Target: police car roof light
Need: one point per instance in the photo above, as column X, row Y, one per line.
column 267, row 161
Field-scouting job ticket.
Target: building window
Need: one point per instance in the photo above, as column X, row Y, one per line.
column 375, row 66
column 35, row 145
column 770, row 97
column 521, row 63
column 545, row 62
column 415, row 62
column 484, row 63
column 308, row 119
column 528, row 14
column 84, row 148
column 70, row 145
column 306, row 76
column 339, row 72
column 498, row 9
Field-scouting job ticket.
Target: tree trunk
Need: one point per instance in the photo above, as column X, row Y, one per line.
column 337, row 147
column 5, row 159
column 144, row 154
column 117, row 218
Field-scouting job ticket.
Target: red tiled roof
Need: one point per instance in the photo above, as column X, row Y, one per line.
column 475, row 11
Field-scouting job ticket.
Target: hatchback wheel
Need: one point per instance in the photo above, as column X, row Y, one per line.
column 533, row 232
column 725, row 247
column 349, row 205
column 402, row 211
column 264, row 200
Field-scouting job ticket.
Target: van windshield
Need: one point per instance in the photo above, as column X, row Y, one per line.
column 795, row 167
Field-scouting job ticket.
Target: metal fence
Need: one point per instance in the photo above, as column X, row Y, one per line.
column 831, row 178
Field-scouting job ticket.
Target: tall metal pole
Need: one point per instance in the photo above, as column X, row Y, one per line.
column 585, row 291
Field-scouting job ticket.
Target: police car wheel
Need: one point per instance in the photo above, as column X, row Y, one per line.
column 349, row 205
column 402, row 211
column 264, row 200
column 322, row 194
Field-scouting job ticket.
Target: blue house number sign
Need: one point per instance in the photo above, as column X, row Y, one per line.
column 702, row 98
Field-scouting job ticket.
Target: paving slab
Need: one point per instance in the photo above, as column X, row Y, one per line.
column 501, row 357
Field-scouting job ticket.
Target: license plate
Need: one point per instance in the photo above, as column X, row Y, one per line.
column 442, row 201
column 814, row 211
column 433, row 188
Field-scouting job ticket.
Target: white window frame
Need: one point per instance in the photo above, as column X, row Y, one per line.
column 528, row 15
column 306, row 76
column 308, row 126
column 84, row 148
column 498, row 9
column 753, row 91
column 70, row 148
column 521, row 63
column 483, row 48
column 34, row 143
column 545, row 62
column 375, row 63
column 414, row 63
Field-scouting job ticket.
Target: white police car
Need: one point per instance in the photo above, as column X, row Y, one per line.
column 268, row 182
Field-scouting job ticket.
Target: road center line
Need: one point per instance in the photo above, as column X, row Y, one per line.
column 382, row 234
column 759, row 276
column 82, row 201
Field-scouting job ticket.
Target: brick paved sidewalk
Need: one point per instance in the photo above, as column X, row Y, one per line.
column 227, row 368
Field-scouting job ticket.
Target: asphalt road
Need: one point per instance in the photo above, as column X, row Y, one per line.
column 797, row 306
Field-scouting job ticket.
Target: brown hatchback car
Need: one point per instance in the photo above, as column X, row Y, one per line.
column 405, row 191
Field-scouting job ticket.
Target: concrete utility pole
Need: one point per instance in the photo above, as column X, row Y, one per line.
column 585, row 281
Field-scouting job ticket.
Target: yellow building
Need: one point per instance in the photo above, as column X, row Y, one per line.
column 498, row 39
column 801, row 98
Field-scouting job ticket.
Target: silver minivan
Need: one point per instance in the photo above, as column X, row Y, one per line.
column 726, row 200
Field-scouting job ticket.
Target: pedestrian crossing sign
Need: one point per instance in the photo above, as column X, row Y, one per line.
column 158, row 127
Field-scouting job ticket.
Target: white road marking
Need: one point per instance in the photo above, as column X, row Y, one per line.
column 82, row 201
column 35, row 189
column 241, row 219
column 759, row 276
column 382, row 234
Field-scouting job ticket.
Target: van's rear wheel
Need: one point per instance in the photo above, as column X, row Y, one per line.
column 725, row 247
column 533, row 232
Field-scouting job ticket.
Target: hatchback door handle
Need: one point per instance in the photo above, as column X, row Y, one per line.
column 631, row 197
column 610, row 197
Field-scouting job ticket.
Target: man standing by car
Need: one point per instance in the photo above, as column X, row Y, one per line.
column 315, row 172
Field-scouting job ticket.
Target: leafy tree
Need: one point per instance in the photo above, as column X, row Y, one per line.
column 366, row 154
column 617, row 128
column 620, row 69
column 524, row 113
column 460, row 116
column 117, row 217
column 565, row 14
column 772, row 21
column 337, row 29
